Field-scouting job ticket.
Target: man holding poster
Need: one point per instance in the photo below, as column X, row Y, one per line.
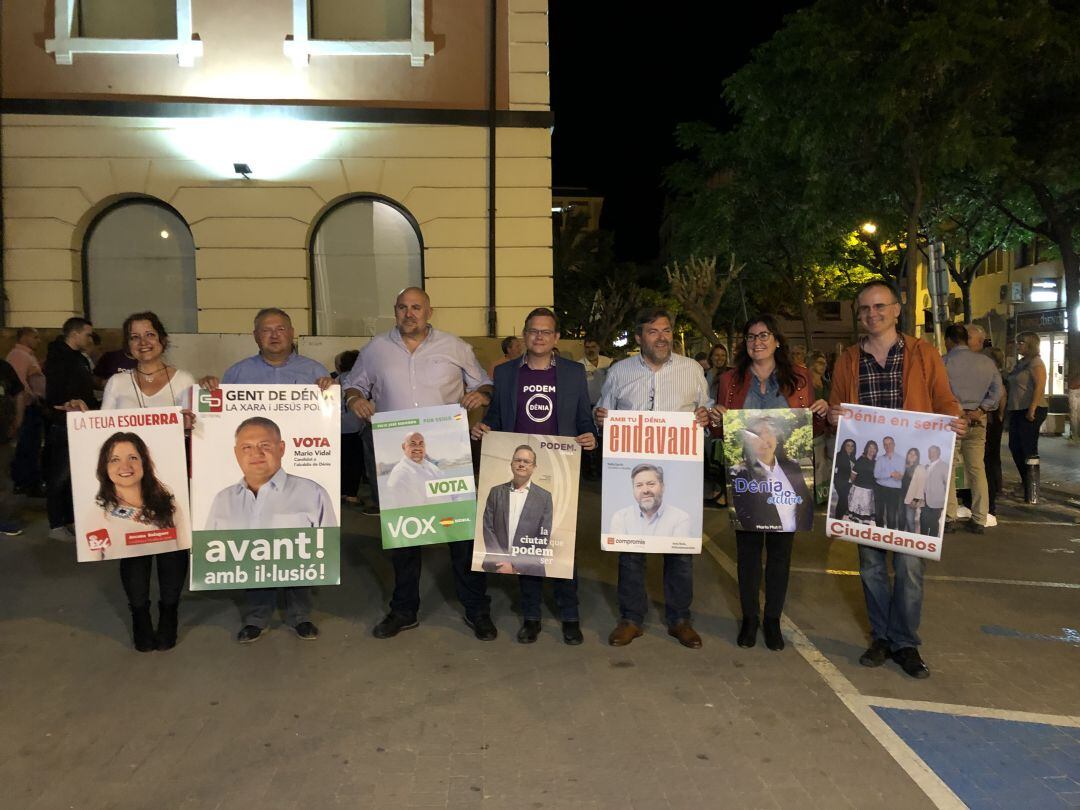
column 888, row 369
column 656, row 380
column 415, row 365
column 276, row 363
column 540, row 396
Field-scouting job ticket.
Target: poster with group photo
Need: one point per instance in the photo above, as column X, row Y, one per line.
column 128, row 482
column 423, row 460
column 653, row 482
column 526, row 505
column 890, row 479
column 769, row 457
column 265, row 485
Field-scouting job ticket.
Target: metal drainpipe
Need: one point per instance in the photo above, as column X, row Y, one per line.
column 492, row 318
column 3, row 232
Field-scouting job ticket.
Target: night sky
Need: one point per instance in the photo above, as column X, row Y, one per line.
column 620, row 82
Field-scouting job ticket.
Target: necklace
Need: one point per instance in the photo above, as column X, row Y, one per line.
column 150, row 377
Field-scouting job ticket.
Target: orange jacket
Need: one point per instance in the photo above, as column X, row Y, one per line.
column 926, row 384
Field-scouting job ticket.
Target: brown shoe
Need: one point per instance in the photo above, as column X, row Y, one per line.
column 625, row 632
column 686, row 634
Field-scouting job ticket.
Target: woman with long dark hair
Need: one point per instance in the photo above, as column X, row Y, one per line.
column 861, row 504
column 764, row 376
column 845, row 461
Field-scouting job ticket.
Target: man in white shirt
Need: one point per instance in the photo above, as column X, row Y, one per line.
column 651, row 517
column 405, row 484
column 937, row 492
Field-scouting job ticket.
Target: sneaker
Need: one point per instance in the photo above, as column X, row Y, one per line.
column 393, row 624
column 249, row 633
column 963, row 513
column 991, row 521
column 307, row 631
column 62, row 533
column 876, row 654
column 11, row 529
column 911, row 662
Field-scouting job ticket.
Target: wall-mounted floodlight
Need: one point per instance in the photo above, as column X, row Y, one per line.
column 243, row 170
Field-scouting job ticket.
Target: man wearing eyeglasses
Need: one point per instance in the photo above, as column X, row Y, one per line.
column 655, row 380
column 277, row 363
column 888, row 369
column 415, row 365
column 543, row 396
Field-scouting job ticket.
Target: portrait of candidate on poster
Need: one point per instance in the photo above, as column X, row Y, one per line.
column 890, row 479
column 128, row 482
column 769, row 457
column 265, row 486
column 653, row 482
column 423, row 461
column 526, row 505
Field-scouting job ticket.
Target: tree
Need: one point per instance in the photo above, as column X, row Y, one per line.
column 699, row 291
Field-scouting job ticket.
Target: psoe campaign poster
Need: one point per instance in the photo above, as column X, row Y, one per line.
column 769, row 454
column 653, row 482
column 423, row 462
column 128, row 482
column 890, row 479
column 526, row 505
column 265, row 483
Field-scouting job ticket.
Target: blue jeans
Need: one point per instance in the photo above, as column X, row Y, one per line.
column 532, row 595
column 678, row 587
column 895, row 608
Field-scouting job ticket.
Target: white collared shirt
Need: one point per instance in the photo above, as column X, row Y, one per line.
column 517, row 503
column 405, row 486
column 785, row 511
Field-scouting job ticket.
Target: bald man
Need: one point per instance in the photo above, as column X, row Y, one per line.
column 405, row 484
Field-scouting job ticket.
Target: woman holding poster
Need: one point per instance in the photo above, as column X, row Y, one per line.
column 764, row 377
column 138, row 496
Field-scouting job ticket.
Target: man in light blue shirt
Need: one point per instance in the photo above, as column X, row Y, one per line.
column 650, row 516
column 415, row 365
column 655, row 380
column 888, row 478
column 276, row 364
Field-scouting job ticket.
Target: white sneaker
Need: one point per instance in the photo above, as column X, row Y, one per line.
column 963, row 513
column 990, row 521
column 63, row 534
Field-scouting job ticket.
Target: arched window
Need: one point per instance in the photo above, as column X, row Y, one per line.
column 363, row 251
column 138, row 255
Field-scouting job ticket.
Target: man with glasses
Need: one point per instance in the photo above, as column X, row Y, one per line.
column 655, row 380
column 542, row 396
column 888, row 369
column 415, row 365
column 277, row 363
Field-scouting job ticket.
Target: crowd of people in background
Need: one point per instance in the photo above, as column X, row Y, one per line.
column 886, row 486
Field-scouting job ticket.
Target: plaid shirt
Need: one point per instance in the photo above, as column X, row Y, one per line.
column 882, row 387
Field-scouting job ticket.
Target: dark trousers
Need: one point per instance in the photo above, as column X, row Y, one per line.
column 1024, row 438
column 26, row 467
column 352, row 463
column 843, row 489
column 172, row 568
column 930, row 521
column 260, row 604
column 749, row 546
column 532, row 595
column 58, row 485
column 678, row 587
column 471, row 585
column 995, row 426
column 369, row 464
column 888, row 506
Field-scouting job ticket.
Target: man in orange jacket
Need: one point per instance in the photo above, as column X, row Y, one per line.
column 888, row 369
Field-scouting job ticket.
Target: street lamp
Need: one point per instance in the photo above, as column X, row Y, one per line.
column 869, row 228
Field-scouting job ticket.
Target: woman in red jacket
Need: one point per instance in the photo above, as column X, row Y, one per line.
column 765, row 377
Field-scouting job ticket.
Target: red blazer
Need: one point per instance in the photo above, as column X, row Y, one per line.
column 732, row 395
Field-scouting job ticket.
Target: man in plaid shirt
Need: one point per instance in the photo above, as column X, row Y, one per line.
column 888, row 369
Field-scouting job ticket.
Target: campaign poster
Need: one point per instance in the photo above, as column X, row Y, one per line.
column 265, row 487
column 653, row 482
column 890, row 481
column 532, row 531
column 424, row 464
column 128, row 482
column 770, row 461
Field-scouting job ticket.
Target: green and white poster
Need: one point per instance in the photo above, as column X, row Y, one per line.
column 423, row 460
column 265, row 485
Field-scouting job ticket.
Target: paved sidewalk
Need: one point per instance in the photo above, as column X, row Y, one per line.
column 1059, row 462
column 434, row 718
